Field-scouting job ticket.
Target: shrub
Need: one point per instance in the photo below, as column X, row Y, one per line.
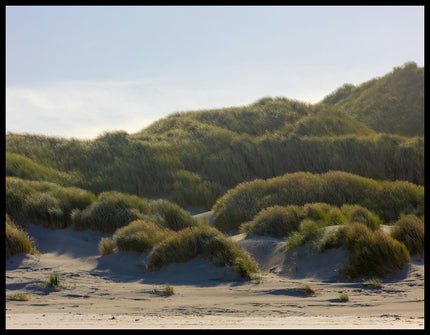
column 308, row 230
column 43, row 202
column 175, row 218
column 203, row 241
column 280, row 221
column 110, row 211
column 343, row 297
column 357, row 213
column 373, row 253
column 325, row 214
column 17, row 240
column 139, row 235
column 409, row 230
column 274, row 221
column 106, row 246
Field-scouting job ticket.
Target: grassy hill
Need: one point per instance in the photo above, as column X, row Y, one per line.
column 391, row 104
column 193, row 158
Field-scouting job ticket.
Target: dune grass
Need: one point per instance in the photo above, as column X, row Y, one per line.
column 18, row 296
column 192, row 156
column 106, row 246
column 139, row 235
column 175, row 218
column 409, row 230
column 386, row 199
column 17, row 240
column 203, row 241
column 165, row 291
column 357, row 213
column 373, row 253
column 45, row 203
column 110, row 211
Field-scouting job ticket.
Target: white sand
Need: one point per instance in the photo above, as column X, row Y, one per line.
column 116, row 291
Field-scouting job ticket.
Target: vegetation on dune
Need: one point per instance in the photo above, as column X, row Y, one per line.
column 17, row 240
column 139, row 235
column 409, row 230
column 386, row 199
column 24, row 168
column 43, row 202
column 391, row 104
column 111, row 210
column 203, row 241
column 278, row 221
column 276, row 167
column 357, row 213
column 195, row 156
column 373, row 253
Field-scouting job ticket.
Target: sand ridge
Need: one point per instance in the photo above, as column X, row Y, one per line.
column 96, row 288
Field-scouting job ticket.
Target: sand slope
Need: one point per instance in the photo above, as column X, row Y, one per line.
column 116, row 291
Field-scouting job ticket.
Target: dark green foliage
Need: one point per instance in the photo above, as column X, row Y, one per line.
column 386, row 199
column 139, row 235
column 280, row 221
column 190, row 189
column 203, row 241
column 373, row 253
column 110, row 211
column 357, row 213
column 174, row 217
column 274, row 221
column 409, row 230
column 45, row 203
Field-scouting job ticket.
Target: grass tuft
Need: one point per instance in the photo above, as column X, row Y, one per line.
column 409, row 230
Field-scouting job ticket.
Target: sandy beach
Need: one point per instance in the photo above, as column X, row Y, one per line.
column 116, row 291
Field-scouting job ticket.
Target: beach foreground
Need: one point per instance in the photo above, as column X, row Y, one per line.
column 125, row 321
column 116, row 291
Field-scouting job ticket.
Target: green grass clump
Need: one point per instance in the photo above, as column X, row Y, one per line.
column 308, row 230
column 17, row 240
column 373, row 283
column 343, row 297
column 44, row 202
column 165, row 291
column 386, row 199
column 373, row 253
column 140, row 235
column 298, row 224
column 23, row 167
column 19, row 296
column 54, row 281
column 409, row 230
column 203, row 241
column 276, row 221
column 357, row 213
column 175, row 218
column 110, row 211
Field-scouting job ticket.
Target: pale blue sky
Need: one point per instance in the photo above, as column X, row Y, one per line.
column 80, row 71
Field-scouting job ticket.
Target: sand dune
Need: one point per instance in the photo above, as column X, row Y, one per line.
column 116, row 291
